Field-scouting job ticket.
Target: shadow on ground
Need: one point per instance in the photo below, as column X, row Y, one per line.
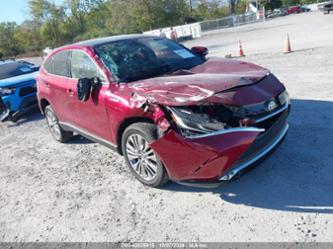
column 36, row 116
column 298, row 176
column 77, row 139
column 31, row 117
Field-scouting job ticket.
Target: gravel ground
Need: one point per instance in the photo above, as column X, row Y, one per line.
column 82, row 191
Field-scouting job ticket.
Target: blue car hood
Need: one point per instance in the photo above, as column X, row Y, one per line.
column 18, row 79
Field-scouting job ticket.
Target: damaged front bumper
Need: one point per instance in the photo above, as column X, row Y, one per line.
column 4, row 110
column 214, row 158
column 28, row 104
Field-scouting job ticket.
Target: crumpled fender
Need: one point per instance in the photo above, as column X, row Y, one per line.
column 205, row 158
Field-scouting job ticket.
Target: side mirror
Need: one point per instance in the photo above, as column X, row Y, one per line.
column 83, row 89
column 201, row 51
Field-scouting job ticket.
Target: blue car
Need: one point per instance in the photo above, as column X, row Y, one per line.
column 17, row 89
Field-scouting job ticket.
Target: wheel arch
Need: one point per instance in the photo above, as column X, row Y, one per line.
column 124, row 124
column 43, row 104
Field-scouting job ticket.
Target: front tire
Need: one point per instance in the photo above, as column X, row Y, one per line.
column 57, row 132
column 140, row 157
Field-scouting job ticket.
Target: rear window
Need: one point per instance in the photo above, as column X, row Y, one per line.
column 11, row 69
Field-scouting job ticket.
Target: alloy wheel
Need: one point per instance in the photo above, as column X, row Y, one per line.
column 141, row 157
column 53, row 124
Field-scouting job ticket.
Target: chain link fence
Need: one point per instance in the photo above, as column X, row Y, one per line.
column 195, row 30
column 231, row 21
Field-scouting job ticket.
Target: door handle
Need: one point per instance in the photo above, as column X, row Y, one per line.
column 70, row 92
column 46, row 84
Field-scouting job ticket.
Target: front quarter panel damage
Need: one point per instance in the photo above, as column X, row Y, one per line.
column 206, row 158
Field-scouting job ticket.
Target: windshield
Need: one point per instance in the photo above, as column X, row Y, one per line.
column 136, row 59
column 10, row 69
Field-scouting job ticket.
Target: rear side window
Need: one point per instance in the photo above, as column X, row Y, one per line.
column 48, row 64
column 58, row 64
column 82, row 66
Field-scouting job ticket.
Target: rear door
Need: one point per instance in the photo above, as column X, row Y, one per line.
column 90, row 116
column 54, row 83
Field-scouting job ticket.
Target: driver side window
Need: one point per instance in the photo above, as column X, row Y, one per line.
column 82, row 66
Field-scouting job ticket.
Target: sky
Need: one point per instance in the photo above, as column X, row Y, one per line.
column 15, row 10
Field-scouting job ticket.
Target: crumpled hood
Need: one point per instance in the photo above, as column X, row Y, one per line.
column 188, row 87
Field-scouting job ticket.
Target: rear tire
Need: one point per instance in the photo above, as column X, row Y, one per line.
column 57, row 132
column 143, row 162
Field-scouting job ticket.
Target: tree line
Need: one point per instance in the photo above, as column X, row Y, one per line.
column 52, row 25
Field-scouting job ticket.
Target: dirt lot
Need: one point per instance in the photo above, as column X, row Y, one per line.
column 82, row 191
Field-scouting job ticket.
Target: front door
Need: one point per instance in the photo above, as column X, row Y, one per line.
column 89, row 116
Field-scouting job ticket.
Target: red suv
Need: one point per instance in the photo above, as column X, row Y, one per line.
column 171, row 112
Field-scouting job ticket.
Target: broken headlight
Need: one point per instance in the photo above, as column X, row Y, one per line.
column 192, row 121
column 6, row 91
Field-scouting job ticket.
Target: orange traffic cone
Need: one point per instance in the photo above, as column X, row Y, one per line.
column 287, row 47
column 241, row 52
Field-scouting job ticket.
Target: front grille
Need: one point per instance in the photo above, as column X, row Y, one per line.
column 26, row 91
column 278, row 123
